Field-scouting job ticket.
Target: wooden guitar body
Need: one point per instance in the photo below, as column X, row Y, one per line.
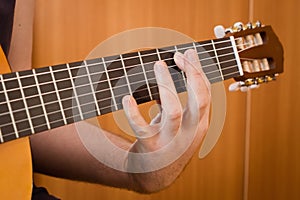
column 16, row 165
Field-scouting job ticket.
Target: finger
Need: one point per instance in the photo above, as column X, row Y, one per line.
column 135, row 119
column 171, row 106
column 198, row 86
column 190, row 64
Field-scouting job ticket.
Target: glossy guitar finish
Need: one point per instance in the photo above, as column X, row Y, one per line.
column 16, row 165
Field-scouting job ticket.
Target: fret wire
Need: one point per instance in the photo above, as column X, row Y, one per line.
column 158, row 55
column 80, row 76
column 182, row 72
column 25, row 102
column 41, row 125
column 87, row 103
column 9, row 107
column 43, row 73
column 65, row 89
column 109, row 84
column 125, row 74
column 54, row 112
column 41, row 98
column 57, row 95
column 95, row 73
column 90, row 111
column 146, row 79
column 216, row 57
column 74, row 91
column 149, row 62
column 1, row 137
column 236, row 55
column 92, row 87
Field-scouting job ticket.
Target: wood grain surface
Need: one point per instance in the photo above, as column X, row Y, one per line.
column 68, row 30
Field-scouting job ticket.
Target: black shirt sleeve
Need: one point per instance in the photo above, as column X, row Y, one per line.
column 7, row 8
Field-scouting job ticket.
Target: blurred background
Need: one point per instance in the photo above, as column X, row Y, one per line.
column 258, row 153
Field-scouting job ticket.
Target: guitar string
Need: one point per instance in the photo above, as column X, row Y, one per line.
column 67, row 88
column 162, row 52
column 128, row 67
column 102, row 81
column 149, row 54
column 111, row 70
column 64, row 89
column 86, row 94
column 111, row 79
column 111, row 107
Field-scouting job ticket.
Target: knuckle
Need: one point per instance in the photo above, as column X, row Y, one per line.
column 175, row 114
column 134, row 117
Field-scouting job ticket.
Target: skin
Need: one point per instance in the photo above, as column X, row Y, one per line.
column 61, row 153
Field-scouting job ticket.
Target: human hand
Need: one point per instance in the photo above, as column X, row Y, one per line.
column 176, row 131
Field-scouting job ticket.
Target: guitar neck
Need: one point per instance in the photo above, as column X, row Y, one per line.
column 36, row 100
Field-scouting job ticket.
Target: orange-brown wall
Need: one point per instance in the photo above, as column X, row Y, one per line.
column 68, row 30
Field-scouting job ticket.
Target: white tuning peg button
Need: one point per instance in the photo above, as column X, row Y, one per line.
column 254, row 86
column 244, row 88
column 219, row 31
column 234, row 86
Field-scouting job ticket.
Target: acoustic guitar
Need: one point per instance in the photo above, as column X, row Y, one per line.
column 40, row 99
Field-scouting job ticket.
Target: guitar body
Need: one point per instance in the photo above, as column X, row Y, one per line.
column 16, row 165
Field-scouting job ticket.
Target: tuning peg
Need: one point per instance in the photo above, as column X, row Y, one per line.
column 244, row 89
column 220, row 31
column 238, row 26
column 258, row 24
column 235, row 86
column 260, row 80
column 249, row 25
column 269, row 78
column 242, row 86
column 254, row 86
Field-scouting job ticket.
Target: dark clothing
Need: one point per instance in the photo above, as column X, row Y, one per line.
column 7, row 8
column 6, row 23
column 40, row 193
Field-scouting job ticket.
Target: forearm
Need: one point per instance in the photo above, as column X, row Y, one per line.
column 60, row 153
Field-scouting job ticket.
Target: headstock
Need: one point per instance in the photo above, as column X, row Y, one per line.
column 260, row 52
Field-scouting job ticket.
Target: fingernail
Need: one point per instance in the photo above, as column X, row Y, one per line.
column 191, row 55
column 159, row 66
column 126, row 100
column 178, row 57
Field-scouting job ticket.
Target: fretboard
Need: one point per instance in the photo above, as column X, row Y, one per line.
column 36, row 100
